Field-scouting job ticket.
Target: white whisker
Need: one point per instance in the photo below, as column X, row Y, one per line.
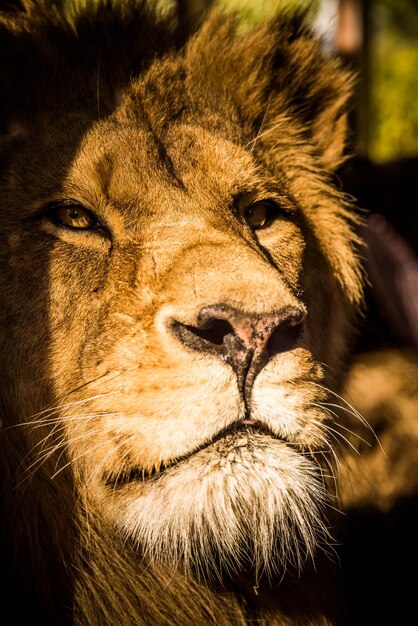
column 263, row 121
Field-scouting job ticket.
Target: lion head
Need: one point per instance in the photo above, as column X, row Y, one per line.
column 178, row 285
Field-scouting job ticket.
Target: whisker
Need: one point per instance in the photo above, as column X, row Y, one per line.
column 332, row 451
column 328, row 428
column 263, row 121
column 352, row 411
column 333, row 434
column 111, row 452
column 324, row 406
column 59, row 426
column 83, row 454
column 31, row 469
column 63, row 443
column 67, row 405
column 74, row 418
column 266, row 132
column 331, row 469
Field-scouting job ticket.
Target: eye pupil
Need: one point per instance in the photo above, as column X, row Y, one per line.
column 74, row 217
column 260, row 214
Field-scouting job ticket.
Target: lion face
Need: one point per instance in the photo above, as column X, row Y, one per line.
column 182, row 345
column 194, row 297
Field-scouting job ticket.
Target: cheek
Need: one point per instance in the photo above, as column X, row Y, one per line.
column 97, row 302
column 76, row 308
column 285, row 243
column 76, row 277
column 24, row 302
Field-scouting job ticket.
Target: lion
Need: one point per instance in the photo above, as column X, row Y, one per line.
column 180, row 282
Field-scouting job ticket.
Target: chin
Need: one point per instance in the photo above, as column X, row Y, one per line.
column 246, row 500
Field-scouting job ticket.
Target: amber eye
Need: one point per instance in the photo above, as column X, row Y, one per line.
column 74, row 216
column 261, row 214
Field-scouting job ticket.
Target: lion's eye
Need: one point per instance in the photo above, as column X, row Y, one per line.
column 73, row 216
column 261, row 214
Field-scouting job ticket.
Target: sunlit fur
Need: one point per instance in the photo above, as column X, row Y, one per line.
column 141, row 486
column 250, row 503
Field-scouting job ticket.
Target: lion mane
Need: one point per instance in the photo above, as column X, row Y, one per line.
column 179, row 282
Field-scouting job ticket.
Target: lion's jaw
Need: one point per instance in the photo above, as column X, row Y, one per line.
column 247, row 502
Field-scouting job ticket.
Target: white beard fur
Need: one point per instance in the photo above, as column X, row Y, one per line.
column 245, row 501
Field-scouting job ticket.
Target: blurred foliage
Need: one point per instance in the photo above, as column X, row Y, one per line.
column 399, row 15
column 393, row 120
column 393, row 111
column 252, row 13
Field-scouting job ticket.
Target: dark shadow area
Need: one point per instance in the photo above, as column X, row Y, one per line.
column 390, row 189
column 386, row 195
column 379, row 553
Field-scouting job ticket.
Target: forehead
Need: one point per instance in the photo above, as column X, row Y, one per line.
column 128, row 164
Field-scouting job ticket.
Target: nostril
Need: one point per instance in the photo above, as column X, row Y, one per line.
column 208, row 336
column 284, row 338
column 287, row 333
column 213, row 332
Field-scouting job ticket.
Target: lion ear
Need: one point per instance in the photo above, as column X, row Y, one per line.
column 311, row 87
column 329, row 135
column 274, row 72
column 329, row 106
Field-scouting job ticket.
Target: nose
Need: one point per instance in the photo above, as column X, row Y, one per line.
column 247, row 341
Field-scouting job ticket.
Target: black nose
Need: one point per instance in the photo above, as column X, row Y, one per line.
column 245, row 340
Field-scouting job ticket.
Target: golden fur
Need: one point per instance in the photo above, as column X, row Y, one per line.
column 129, row 497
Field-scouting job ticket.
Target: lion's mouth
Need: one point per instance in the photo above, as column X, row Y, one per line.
column 241, row 427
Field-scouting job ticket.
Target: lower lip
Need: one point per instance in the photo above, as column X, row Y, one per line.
column 144, row 476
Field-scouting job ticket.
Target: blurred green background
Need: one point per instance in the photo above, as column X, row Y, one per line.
column 393, row 114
